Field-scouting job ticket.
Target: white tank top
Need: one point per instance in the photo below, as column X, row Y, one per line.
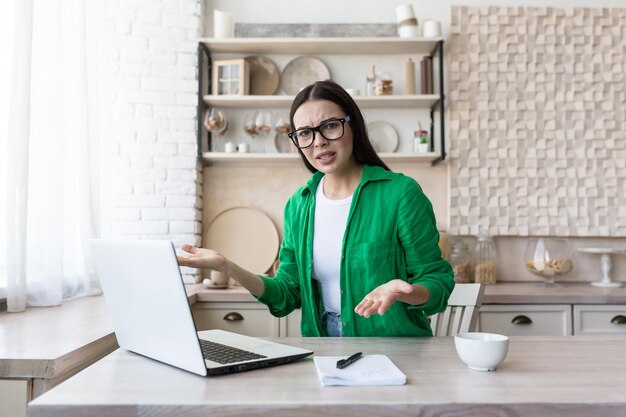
column 331, row 217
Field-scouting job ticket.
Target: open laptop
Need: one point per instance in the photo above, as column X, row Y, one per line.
column 146, row 298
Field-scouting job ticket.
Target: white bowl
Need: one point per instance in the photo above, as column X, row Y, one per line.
column 481, row 351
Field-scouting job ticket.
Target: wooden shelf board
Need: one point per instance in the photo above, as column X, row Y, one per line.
column 423, row 101
column 241, row 159
column 302, row 46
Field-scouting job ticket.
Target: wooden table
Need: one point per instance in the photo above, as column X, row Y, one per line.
column 542, row 376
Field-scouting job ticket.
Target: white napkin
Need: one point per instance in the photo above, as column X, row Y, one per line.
column 370, row 370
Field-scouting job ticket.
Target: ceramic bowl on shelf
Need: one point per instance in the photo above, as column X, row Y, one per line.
column 264, row 75
column 548, row 257
column 481, row 351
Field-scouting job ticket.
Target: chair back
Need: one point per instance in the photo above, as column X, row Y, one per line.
column 461, row 315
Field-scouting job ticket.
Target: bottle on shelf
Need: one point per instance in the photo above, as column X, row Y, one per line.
column 461, row 261
column 409, row 77
column 369, row 82
column 485, row 259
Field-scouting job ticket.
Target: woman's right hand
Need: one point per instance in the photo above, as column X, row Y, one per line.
column 209, row 259
column 202, row 258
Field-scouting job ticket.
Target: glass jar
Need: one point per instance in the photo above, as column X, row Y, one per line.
column 383, row 84
column 420, row 141
column 461, row 261
column 443, row 245
column 485, row 259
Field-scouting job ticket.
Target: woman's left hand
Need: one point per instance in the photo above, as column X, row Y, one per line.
column 379, row 300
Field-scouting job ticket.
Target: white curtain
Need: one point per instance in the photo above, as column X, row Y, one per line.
column 53, row 150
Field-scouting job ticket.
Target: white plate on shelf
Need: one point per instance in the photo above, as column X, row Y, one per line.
column 246, row 236
column 283, row 144
column 302, row 71
column 383, row 136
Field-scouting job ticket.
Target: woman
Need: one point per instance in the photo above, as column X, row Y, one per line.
column 360, row 252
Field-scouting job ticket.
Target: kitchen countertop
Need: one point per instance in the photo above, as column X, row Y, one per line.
column 231, row 294
column 560, row 293
column 541, row 376
column 502, row 293
column 45, row 342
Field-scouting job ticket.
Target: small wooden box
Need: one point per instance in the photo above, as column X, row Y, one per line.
column 230, row 77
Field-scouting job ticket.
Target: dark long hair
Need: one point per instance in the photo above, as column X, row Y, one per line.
column 362, row 148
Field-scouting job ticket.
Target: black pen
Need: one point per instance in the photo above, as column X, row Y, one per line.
column 351, row 359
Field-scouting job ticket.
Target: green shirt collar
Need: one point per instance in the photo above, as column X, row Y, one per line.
column 370, row 173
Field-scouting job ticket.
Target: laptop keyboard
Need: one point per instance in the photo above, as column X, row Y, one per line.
column 223, row 354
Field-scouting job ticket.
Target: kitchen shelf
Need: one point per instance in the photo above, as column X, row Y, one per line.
column 300, row 46
column 242, row 159
column 432, row 103
column 424, row 101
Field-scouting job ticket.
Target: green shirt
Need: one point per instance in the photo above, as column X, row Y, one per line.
column 390, row 233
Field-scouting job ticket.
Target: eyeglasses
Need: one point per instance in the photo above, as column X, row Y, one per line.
column 332, row 129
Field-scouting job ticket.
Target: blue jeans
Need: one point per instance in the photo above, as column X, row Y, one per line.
column 332, row 322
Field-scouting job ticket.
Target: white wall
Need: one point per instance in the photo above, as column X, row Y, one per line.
column 156, row 184
column 367, row 11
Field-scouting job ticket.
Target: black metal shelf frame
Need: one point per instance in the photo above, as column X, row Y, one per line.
column 204, row 83
column 440, row 104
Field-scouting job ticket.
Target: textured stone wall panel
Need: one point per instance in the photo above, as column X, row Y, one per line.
column 537, row 121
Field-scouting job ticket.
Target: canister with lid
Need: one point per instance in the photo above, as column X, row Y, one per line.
column 485, row 259
column 461, row 261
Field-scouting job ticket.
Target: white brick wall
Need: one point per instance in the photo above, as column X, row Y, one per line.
column 156, row 181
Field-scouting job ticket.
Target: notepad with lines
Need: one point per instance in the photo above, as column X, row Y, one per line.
column 371, row 370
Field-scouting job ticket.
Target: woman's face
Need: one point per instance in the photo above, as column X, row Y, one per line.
column 327, row 156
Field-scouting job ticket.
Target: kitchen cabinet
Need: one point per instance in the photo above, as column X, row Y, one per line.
column 253, row 319
column 248, row 318
column 526, row 320
column 553, row 320
column 600, row 319
column 339, row 47
column 569, row 308
column 290, row 325
column 515, row 309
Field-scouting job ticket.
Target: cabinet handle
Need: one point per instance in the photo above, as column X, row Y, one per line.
column 618, row 320
column 521, row 320
column 233, row 316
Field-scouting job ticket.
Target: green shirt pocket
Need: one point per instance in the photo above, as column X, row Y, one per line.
column 373, row 264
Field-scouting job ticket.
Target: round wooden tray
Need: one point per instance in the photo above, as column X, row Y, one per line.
column 246, row 236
